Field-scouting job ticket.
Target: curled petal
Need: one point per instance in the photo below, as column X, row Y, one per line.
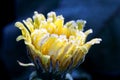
column 25, row 64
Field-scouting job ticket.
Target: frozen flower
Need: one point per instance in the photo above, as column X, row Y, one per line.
column 54, row 46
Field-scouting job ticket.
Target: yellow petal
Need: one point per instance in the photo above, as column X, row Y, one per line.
column 24, row 31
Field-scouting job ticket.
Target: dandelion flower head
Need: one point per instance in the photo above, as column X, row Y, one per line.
column 52, row 43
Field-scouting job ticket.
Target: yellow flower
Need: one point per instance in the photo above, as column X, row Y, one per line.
column 54, row 43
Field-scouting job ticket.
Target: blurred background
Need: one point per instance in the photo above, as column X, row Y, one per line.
column 102, row 61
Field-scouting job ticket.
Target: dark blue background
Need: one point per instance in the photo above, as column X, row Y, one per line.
column 103, row 16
